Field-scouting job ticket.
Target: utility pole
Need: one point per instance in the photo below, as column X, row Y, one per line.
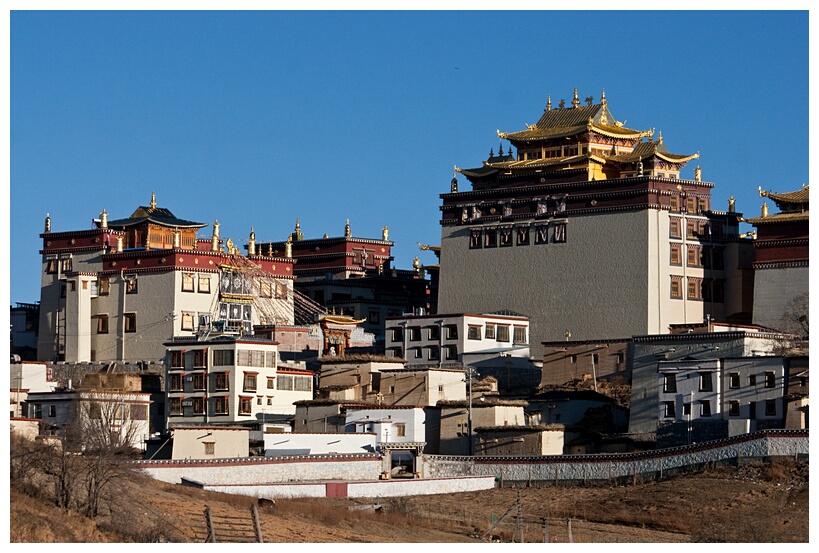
column 469, row 373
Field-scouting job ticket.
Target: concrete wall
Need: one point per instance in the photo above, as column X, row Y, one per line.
column 773, row 289
column 189, row 443
column 607, row 254
column 319, row 443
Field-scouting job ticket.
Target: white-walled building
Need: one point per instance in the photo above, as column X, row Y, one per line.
column 210, row 442
column 391, row 425
column 119, row 290
column 227, row 380
column 28, row 377
column 456, row 339
column 298, row 443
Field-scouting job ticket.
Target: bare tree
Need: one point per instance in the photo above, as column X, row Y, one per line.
column 794, row 323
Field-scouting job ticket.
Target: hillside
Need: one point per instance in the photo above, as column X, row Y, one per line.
column 759, row 502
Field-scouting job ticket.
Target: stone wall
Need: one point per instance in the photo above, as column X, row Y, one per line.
column 601, row 467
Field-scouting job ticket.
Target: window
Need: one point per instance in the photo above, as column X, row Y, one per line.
column 676, row 287
column 270, row 401
column 177, row 359
column 752, row 380
column 220, row 406
column 573, row 359
column 702, row 205
column 668, row 409
column 676, row 254
column 560, row 233
column 419, row 353
column 175, row 406
column 691, row 228
column 374, row 317
column 400, row 429
column 131, row 286
column 451, row 352
column 674, row 227
column 490, row 238
column 200, row 358
column 223, row 357
column 397, row 335
column 245, row 405
column 770, row 407
column 541, row 234
column 221, row 381
column 210, row 448
column 198, row 404
column 433, row 353
column 249, row 384
column 434, row 333
column 187, row 321
column 733, row 409
column 51, row 266
column 670, row 383
column 505, row 236
column 691, row 204
column 187, row 282
column 503, row 333
column 52, row 411
column 473, row 332
column 519, row 336
column 130, row 322
column 621, row 357
column 451, row 332
column 104, row 286
column 706, row 382
column 490, row 332
column 175, row 382
column 199, row 381
column 265, row 289
column 523, row 236
column 694, row 288
column 250, row 358
column 595, row 359
column 271, row 383
column 686, row 411
column 770, row 379
column 259, row 400
column 66, row 264
column 474, row 238
column 102, row 324
column 705, row 408
column 733, row 380
column 674, row 203
column 694, row 258
column 415, row 333
column 204, row 285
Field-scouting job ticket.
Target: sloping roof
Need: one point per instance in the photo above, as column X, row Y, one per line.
column 797, row 197
column 645, row 150
column 779, row 218
column 158, row 215
column 555, row 123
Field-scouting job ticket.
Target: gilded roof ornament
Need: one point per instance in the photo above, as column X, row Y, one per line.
column 589, row 100
column 603, row 100
column 104, row 219
column 251, row 244
column 347, row 232
column 698, row 174
column 561, row 104
column 549, row 103
column 153, row 201
column 385, row 233
column 416, row 263
column 575, row 100
column 660, row 139
column 48, row 223
column 764, row 209
column 501, row 134
column 731, row 206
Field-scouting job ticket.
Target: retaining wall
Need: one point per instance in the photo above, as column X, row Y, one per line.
column 583, row 468
column 256, row 470
column 377, row 488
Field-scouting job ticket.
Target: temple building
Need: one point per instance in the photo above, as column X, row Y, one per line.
column 118, row 291
column 589, row 229
column 353, row 276
column 781, row 262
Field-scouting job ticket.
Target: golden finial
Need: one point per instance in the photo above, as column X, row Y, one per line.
column 147, row 241
column 251, row 245
column 297, row 235
column 270, row 249
column 549, row 102
column 288, row 247
column 453, row 184
column 104, row 219
column 764, row 209
column 603, row 97
column 385, row 233
column 416, row 263
column 731, row 206
column 119, row 243
column 575, row 100
column 214, row 239
column 231, row 247
column 153, row 201
column 347, row 232
column 660, row 139
column 697, row 170
column 176, row 236
column 48, row 223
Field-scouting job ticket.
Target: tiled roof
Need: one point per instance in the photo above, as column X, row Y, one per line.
column 555, row 123
column 797, row 197
column 779, row 218
column 645, row 150
column 158, row 215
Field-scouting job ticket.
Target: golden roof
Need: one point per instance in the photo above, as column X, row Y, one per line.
column 645, row 150
column 797, row 197
column 779, row 218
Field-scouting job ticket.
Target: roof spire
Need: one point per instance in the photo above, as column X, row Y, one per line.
column 297, row 235
column 104, row 219
column 660, row 139
column 549, row 103
column 575, row 100
column 347, row 232
column 251, row 244
column 764, row 209
column 48, row 223
column 603, row 98
column 153, row 201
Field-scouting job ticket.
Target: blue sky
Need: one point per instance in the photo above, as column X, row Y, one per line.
column 257, row 118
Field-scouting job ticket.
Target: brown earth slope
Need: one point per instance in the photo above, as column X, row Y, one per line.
column 759, row 502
